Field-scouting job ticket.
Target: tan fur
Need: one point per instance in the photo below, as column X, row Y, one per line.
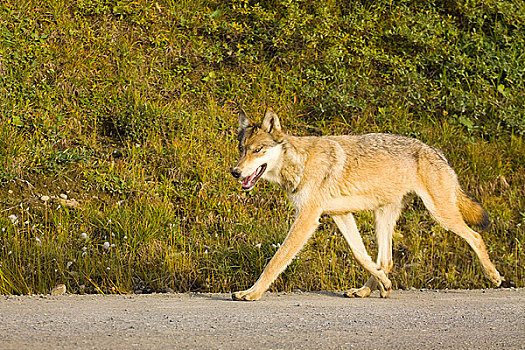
column 339, row 175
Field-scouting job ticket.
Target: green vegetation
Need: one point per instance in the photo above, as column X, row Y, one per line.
column 127, row 110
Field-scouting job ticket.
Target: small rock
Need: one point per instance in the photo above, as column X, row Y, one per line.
column 59, row 290
column 63, row 196
column 69, row 203
column 44, row 198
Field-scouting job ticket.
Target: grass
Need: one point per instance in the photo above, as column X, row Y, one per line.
column 128, row 108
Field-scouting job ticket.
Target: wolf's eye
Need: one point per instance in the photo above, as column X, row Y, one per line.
column 257, row 150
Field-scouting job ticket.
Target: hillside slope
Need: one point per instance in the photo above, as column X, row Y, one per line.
column 118, row 124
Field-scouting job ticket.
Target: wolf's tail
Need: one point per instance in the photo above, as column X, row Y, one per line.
column 472, row 211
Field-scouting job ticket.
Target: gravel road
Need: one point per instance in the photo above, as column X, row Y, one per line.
column 454, row 319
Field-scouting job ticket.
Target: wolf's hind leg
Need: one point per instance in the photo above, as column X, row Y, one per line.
column 444, row 209
column 385, row 220
column 348, row 228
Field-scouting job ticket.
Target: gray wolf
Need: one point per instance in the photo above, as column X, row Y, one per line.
column 340, row 175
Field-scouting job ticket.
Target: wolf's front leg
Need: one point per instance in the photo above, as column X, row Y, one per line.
column 302, row 229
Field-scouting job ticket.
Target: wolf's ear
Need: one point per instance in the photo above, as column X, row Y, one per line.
column 271, row 122
column 244, row 122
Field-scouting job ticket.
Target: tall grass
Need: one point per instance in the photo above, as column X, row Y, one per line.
column 128, row 108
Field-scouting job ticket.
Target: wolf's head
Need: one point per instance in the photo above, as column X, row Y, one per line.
column 260, row 150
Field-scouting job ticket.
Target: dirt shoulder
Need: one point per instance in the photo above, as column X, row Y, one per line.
column 459, row 319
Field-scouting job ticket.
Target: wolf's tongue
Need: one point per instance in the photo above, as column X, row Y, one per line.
column 247, row 182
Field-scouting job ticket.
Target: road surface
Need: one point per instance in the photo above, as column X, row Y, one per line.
column 454, row 319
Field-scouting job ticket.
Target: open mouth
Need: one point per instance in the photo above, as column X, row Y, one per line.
column 250, row 181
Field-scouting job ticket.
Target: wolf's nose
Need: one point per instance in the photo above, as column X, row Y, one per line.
column 235, row 173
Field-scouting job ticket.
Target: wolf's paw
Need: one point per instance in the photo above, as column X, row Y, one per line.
column 362, row 292
column 384, row 288
column 496, row 278
column 245, row 296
